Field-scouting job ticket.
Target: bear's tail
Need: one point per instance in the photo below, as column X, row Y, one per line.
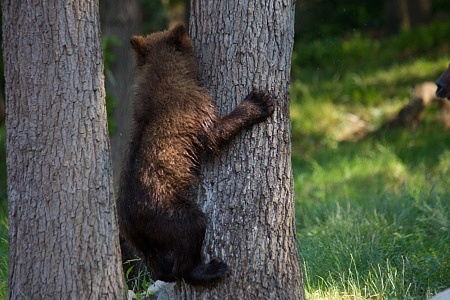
column 205, row 274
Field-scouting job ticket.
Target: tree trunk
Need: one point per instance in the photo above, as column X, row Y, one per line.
column 120, row 19
column 247, row 190
column 396, row 15
column 419, row 12
column 405, row 14
column 63, row 229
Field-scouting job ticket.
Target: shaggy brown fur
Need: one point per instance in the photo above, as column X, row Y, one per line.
column 174, row 122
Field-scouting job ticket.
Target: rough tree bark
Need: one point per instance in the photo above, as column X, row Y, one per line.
column 121, row 19
column 63, row 232
column 247, row 190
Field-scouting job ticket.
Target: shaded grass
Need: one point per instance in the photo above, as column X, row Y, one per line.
column 357, row 50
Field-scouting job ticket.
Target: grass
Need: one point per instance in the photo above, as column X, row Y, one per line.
column 372, row 216
column 396, row 249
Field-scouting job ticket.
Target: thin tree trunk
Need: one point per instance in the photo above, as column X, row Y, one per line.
column 121, row 20
column 63, row 229
column 419, row 12
column 247, row 191
column 396, row 15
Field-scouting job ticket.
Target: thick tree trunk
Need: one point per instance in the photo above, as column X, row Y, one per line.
column 63, row 229
column 120, row 19
column 247, row 190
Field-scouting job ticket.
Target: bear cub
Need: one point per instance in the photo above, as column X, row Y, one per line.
column 174, row 122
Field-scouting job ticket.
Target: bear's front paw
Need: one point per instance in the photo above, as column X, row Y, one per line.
column 263, row 103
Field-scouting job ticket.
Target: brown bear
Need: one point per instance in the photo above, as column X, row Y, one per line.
column 174, row 123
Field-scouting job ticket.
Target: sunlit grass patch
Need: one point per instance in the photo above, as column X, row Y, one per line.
column 383, row 281
column 397, row 250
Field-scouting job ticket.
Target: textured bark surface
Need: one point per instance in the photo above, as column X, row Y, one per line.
column 120, row 19
column 247, row 190
column 63, row 229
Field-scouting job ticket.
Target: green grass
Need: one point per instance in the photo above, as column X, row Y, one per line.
column 401, row 239
column 324, row 99
column 372, row 216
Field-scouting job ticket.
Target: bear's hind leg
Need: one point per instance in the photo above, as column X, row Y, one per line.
column 161, row 267
column 188, row 248
column 188, row 232
column 188, row 265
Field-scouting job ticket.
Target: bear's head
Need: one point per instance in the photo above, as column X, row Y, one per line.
column 170, row 48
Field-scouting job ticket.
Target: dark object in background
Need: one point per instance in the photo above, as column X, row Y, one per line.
column 443, row 84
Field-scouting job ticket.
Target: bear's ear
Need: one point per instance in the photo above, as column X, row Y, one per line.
column 179, row 38
column 140, row 47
